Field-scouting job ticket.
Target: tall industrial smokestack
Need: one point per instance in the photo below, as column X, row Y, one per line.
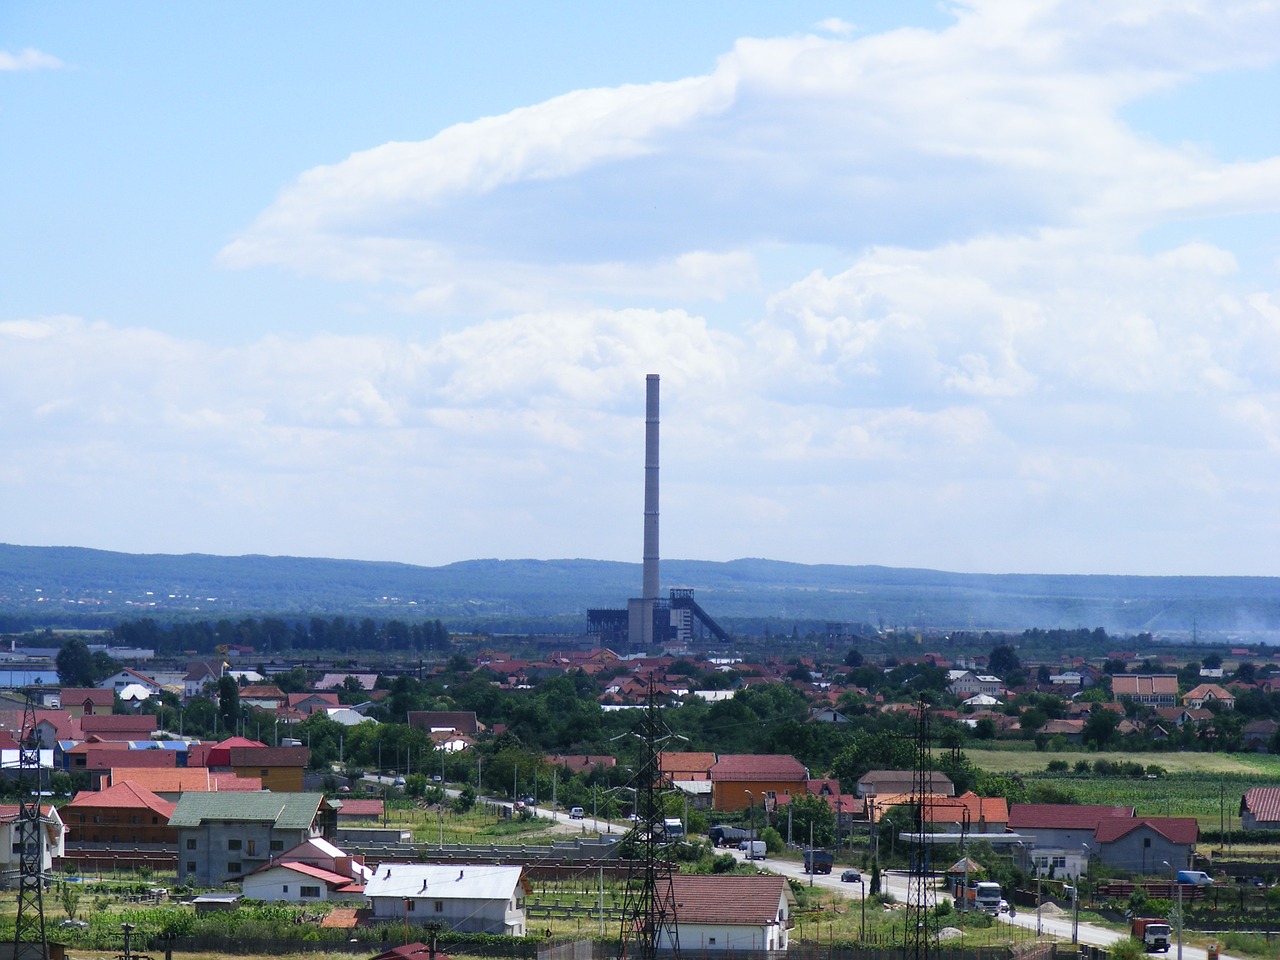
column 649, row 590
column 640, row 633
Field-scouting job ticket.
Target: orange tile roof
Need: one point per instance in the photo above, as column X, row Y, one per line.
column 124, row 796
column 178, row 780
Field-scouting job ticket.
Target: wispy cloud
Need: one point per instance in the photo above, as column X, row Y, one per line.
column 28, row 59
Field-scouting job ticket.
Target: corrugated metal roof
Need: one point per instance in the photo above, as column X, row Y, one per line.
column 444, row 882
column 289, row 811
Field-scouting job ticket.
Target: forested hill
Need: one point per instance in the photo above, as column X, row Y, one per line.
column 62, row 586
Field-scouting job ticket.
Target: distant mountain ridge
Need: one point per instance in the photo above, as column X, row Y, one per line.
column 68, row 585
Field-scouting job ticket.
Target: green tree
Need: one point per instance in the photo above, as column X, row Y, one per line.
column 228, row 702
column 75, row 664
column 1100, row 730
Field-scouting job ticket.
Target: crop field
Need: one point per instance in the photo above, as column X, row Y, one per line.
column 1207, row 786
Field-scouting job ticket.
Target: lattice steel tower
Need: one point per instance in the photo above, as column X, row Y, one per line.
column 29, row 941
column 649, row 904
column 921, row 918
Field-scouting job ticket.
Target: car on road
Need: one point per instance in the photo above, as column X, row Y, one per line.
column 576, row 813
column 850, row 876
column 398, row 782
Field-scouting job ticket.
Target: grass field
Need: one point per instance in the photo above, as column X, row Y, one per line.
column 1207, row 786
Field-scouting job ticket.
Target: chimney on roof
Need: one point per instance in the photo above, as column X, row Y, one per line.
column 424, row 885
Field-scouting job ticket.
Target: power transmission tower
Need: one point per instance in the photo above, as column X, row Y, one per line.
column 29, row 942
column 921, row 898
column 649, row 904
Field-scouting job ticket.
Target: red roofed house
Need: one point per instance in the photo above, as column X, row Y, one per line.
column 582, row 763
column 461, row 721
column 314, row 870
column 171, row 783
column 1207, row 693
column 686, row 766
column 356, row 811
column 743, row 780
column 122, row 814
column 87, row 701
column 1260, row 809
column 264, row 696
column 731, row 913
column 219, row 755
column 94, row 756
column 1143, row 845
column 1061, row 832
column 124, row 726
column 970, row 812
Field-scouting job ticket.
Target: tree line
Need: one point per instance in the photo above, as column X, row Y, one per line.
column 274, row 635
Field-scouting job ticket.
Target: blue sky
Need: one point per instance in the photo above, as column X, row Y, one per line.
column 985, row 286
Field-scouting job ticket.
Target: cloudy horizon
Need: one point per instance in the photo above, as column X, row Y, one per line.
column 990, row 287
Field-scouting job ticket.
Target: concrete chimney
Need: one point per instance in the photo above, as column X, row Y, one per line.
column 649, row 591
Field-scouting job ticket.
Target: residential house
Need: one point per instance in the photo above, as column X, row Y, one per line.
column 332, row 681
column 718, row 913
column 280, row 769
column 170, row 783
column 358, row 811
column 875, row 782
column 969, row 813
column 218, row 754
column 1260, row 734
column 314, row 870
column 1152, row 690
column 470, row 898
column 264, row 696
column 1206, row 693
column 127, row 677
column 741, row 781
column 118, row 727
column 94, row 756
column 1142, row 845
column 86, row 701
column 309, row 703
column 225, row 835
column 52, row 840
column 200, row 673
column 1072, row 731
column 677, row 767
column 122, row 814
column 1260, row 809
column 1061, row 833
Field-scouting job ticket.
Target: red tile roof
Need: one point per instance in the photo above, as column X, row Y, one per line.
column 124, row 796
column 182, row 780
column 710, row 898
column 1263, row 803
column 761, row 766
column 1173, row 829
column 1062, row 816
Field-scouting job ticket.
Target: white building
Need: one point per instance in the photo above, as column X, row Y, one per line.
column 721, row 913
column 472, row 898
column 52, row 840
column 301, row 883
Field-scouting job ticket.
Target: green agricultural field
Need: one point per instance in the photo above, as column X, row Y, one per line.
column 1207, row 786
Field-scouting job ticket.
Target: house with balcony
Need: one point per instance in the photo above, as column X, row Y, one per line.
column 52, row 840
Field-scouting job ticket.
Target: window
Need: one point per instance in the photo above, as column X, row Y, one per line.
column 264, row 773
column 191, row 866
column 233, row 867
column 411, row 905
column 309, row 892
column 277, row 845
column 253, row 846
column 191, row 844
column 711, row 941
column 285, row 888
column 233, row 844
column 439, row 906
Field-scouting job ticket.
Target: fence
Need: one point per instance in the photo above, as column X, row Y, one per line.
column 241, row 946
column 594, row 950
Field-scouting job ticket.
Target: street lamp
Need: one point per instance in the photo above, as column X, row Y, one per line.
column 1075, row 901
column 1178, row 914
column 862, row 935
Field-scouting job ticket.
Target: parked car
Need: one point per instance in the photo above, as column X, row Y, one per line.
column 576, row 813
column 850, row 876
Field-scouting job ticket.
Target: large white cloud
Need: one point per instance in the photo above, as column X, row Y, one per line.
column 1006, row 122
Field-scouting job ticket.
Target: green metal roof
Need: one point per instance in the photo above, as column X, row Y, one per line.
column 288, row 811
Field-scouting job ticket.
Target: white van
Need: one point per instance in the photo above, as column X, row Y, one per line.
column 1196, row 878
